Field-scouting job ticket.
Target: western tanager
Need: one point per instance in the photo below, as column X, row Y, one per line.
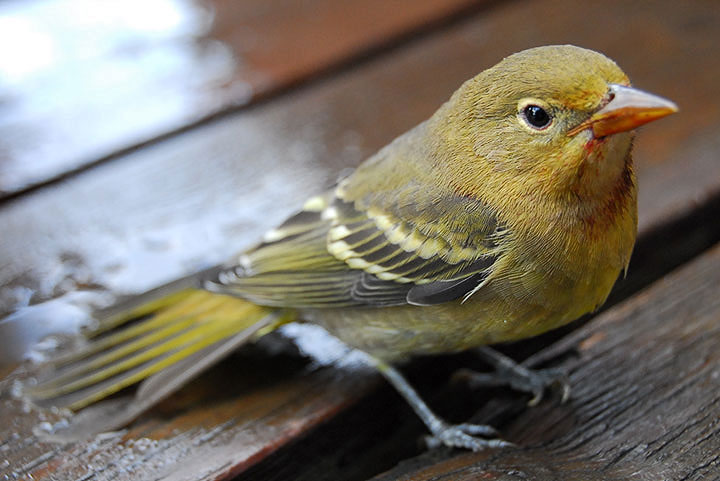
column 509, row 212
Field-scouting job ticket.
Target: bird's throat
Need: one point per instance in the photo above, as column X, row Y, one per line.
column 604, row 168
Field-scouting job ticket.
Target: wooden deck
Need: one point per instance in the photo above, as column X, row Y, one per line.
column 142, row 151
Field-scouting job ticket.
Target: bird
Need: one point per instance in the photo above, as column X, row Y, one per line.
column 511, row 211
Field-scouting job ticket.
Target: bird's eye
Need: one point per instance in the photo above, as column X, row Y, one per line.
column 536, row 117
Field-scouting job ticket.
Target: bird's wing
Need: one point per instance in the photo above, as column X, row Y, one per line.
column 371, row 243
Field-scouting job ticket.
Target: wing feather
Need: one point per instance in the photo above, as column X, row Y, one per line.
column 372, row 242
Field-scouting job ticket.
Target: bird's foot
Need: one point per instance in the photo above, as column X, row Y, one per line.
column 464, row 436
column 518, row 377
column 443, row 434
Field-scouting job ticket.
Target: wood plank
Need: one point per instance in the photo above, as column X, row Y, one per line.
column 193, row 200
column 646, row 398
column 216, row 423
column 92, row 80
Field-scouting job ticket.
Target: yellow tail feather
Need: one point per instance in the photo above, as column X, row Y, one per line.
column 148, row 339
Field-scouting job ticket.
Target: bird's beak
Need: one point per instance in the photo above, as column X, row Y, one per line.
column 627, row 109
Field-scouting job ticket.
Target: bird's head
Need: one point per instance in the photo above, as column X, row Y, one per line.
column 548, row 122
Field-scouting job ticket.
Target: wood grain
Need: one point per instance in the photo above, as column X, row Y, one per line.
column 234, row 416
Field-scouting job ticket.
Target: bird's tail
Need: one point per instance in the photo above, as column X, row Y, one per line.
column 163, row 342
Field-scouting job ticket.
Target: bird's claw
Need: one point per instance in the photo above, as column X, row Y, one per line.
column 534, row 382
column 463, row 436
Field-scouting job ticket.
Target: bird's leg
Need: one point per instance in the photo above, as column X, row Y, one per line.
column 510, row 373
column 451, row 435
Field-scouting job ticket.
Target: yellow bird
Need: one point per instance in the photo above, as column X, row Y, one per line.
column 509, row 212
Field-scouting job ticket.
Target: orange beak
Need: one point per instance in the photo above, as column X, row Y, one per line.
column 627, row 109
